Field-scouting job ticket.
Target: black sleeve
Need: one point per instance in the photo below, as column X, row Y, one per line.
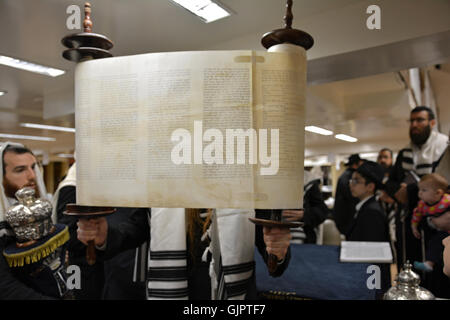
column 396, row 176
column 316, row 211
column 127, row 234
column 68, row 195
column 413, row 196
column 10, row 287
column 260, row 244
column 371, row 226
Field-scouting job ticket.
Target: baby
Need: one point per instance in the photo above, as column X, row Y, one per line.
column 434, row 201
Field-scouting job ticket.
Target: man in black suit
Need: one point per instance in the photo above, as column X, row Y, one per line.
column 369, row 222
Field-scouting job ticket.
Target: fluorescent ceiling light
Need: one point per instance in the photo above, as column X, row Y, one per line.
column 206, row 10
column 345, row 138
column 45, row 127
column 28, row 66
column 318, row 130
column 65, row 155
column 369, row 155
column 2, row 93
column 21, row 137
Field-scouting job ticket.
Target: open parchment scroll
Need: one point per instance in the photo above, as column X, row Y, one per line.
column 131, row 113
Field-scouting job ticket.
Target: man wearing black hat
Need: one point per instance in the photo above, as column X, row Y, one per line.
column 344, row 205
column 369, row 222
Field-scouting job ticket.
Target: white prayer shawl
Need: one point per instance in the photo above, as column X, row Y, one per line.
column 4, row 203
column 69, row 180
column 232, row 249
column 422, row 160
column 444, row 165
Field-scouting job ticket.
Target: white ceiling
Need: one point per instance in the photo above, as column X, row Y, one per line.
column 372, row 107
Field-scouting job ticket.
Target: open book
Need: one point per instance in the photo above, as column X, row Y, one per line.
column 371, row 252
column 212, row 129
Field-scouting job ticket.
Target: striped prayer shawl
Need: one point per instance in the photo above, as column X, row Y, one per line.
column 298, row 235
column 423, row 160
column 231, row 248
column 167, row 265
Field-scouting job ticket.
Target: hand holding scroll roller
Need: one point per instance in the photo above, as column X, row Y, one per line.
column 277, row 241
column 92, row 230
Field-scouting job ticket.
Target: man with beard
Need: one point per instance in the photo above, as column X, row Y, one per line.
column 19, row 169
column 385, row 160
column 420, row 157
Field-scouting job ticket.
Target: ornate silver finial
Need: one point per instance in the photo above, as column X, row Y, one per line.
column 407, row 287
column 30, row 219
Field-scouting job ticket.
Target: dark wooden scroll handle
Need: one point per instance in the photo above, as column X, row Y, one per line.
column 87, row 22
column 272, row 263
column 88, row 212
column 272, row 260
column 90, row 253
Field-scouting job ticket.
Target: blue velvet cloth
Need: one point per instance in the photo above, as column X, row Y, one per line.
column 315, row 272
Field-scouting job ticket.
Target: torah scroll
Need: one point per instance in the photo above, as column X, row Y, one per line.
column 215, row 129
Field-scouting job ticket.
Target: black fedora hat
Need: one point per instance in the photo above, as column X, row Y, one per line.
column 373, row 172
column 354, row 158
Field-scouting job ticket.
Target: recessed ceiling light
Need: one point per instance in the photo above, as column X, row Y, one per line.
column 65, row 155
column 3, row 92
column 46, row 127
column 345, row 138
column 29, row 66
column 369, row 155
column 206, row 10
column 21, row 137
column 319, row 130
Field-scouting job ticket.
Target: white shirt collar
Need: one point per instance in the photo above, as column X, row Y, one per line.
column 360, row 204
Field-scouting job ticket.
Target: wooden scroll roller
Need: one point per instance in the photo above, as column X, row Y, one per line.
column 275, row 37
column 275, row 221
column 88, row 212
column 86, row 45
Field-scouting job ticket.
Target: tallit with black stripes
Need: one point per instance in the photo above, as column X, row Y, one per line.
column 232, row 250
column 424, row 159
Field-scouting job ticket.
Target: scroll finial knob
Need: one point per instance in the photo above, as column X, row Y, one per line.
column 289, row 16
column 287, row 34
column 87, row 23
column 86, row 45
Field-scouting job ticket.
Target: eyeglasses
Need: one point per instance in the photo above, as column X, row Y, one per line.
column 356, row 181
column 418, row 120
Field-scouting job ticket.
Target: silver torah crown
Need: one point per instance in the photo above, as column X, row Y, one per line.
column 30, row 219
column 407, row 287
